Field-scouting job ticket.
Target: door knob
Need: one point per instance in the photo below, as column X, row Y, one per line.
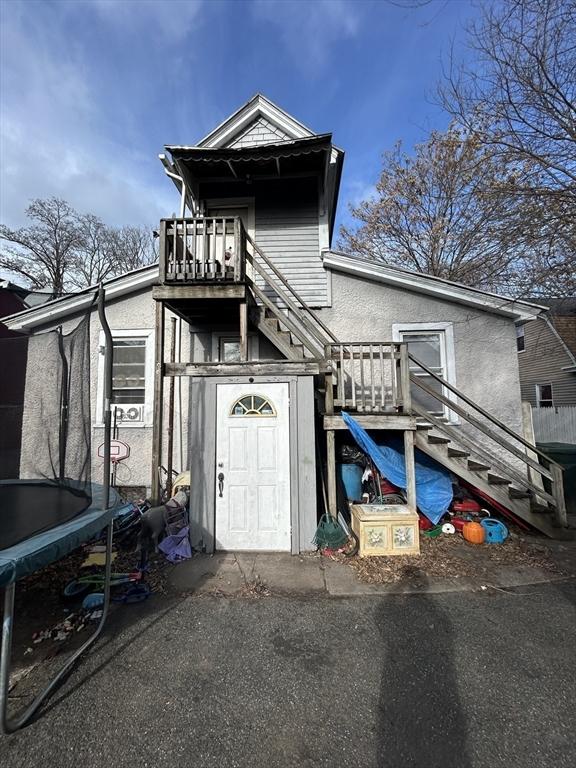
column 221, row 484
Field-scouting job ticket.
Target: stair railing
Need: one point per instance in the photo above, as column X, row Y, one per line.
column 368, row 376
column 314, row 330
column 549, row 469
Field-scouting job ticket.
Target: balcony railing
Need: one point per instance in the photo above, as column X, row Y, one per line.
column 202, row 250
column 369, row 377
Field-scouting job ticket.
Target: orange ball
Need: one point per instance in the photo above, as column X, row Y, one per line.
column 474, row 533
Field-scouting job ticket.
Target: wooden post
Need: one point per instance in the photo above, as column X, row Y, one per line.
column 331, row 473
column 170, row 445
column 410, row 469
column 330, row 447
column 558, row 491
column 158, row 400
column 162, row 253
column 405, row 379
column 243, row 331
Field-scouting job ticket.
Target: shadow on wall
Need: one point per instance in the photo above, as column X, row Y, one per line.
column 420, row 719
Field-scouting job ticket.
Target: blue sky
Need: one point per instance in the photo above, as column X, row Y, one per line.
column 91, row 90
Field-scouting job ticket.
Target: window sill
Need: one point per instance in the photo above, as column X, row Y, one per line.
column 128, row 425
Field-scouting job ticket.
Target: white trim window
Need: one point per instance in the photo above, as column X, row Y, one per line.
column 544, row 396
column 433, row 345
column 226, row 347
column 520, row 338
column 132, row 377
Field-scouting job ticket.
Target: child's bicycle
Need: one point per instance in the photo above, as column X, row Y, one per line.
column 81, row 586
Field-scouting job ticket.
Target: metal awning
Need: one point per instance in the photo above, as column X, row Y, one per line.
column 298, row 156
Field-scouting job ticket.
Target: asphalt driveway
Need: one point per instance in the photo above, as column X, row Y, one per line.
column 457, row 680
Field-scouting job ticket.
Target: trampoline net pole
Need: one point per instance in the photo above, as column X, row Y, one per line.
column 108, row 363
column 67, row 350
column 11, row 725
column 6, row 653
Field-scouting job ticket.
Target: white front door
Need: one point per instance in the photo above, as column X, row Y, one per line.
column 253, row 467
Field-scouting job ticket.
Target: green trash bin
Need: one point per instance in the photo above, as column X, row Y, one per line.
column 565, row 455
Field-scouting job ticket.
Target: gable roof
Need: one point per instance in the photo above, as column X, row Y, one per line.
column 561, row 306
column 257, row 107
column 418, row 282
column 139, row 279
column 116, row 287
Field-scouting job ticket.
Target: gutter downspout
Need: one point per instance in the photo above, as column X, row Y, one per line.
column 180, row 185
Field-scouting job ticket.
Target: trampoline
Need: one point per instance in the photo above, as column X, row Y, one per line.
column 54, row 506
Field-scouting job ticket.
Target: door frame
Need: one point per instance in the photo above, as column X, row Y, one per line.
column 202, row 456
column 236, row 202
column 281, row 421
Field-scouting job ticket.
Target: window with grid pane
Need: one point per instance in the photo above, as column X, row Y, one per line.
column 428, row 348
column 129, row 371
column 544, row 395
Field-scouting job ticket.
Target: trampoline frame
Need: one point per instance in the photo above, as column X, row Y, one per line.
column 10, row 725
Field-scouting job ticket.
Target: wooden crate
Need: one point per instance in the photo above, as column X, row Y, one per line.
column 386, row 529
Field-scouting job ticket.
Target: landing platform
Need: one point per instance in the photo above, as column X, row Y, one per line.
column 369, row 421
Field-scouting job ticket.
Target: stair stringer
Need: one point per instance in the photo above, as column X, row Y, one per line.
column 519, row 507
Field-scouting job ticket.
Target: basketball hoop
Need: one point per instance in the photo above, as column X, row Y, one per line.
column 118, row 451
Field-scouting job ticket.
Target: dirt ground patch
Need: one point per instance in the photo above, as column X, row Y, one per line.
column 452, row 556
column 40, row 609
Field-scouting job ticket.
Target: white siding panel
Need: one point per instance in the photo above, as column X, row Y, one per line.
column 289, row 237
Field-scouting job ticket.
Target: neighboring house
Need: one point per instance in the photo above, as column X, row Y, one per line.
column 13, row 299
column 547, row 362
column 275, row 334
column 547, row 355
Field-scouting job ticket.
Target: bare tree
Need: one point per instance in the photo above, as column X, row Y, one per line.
column 519, row 97
column 44, row 252
column 62, row 250
column 93, row 262
column 132, row 247
column 440, row 212
column 106, row 252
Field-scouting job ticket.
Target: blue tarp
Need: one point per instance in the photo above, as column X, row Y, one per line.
column 34, row 553
column 433, row 483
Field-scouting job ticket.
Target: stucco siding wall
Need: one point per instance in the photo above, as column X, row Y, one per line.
column 484, row 344
column 135, row 313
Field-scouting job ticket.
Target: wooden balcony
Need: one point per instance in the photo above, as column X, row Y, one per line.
column 202, row 251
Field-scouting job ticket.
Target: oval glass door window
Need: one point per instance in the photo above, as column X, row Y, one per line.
column 252, row 405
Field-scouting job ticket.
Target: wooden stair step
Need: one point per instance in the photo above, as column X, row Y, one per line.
column 424, row 425
column 476, row 466
column 540, row 509
column 272, row 322
column 457, row 453
column 437, row 440
column 497, row 480
column 516, row 493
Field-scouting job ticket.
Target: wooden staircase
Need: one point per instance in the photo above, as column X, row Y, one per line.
column 274, row 329
column 372, row 380
column 482, row 451
column 492, row 458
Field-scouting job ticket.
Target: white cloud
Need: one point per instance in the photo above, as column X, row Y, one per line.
column 52, row 137
column 174, row 19
column 359, row 191
column 310, row 30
